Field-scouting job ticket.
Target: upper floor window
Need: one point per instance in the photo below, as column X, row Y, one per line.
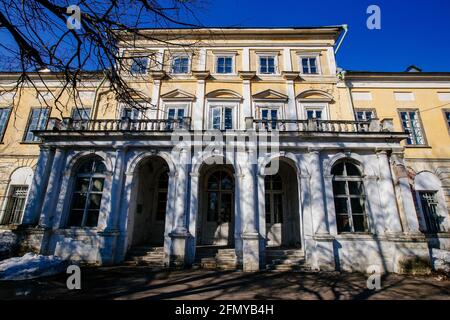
column 267, row 64
column 175, row 114
column 131, row 113
column 412, row 125
column 139, row 66
column 224, row 64
column 81, row 113
column 4, row 117
column 365, row 115
column 87, row 194
column 36, row 121
column 270, row 115
column 447, row 119
column 349, row 197
column 180, row 64
column 309, row 65
column 317, row 111
column 221, row 117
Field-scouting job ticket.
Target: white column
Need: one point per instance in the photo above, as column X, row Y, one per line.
column 155, row 112
column 53, row 189
column 38, row 186
column 247, row 103
column 406, row 196
column 387, row 194
column 320, row 223
column 202, row 60
column 287, row 61
column 198, row 112
column 193, row 217
column 291, row 112
column 246, row 59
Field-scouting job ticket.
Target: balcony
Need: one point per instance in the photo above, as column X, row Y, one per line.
column 165, row 125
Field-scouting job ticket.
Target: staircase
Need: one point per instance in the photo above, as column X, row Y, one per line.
column 285, row 260
column 146, row 256
column 215, row 258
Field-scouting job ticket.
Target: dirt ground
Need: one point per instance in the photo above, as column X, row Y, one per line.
column 135, row 283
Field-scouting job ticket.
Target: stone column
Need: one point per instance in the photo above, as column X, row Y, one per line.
column 249, row 211
column 406, row 200
column 387, row 194
column 53, row 190
column 193, row 217
column 38, row 186
column 247, row 111
column 320, row 223
column 156, row 76
column 198, row 113
column 291, row 108
column 179, row 233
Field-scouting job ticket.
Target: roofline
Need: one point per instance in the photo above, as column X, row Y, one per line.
column 47, row 75
column 403, row 76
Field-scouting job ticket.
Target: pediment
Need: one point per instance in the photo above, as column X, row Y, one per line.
column 224, row 94
column 270, row 94
column 178, row 94
column 315, row 95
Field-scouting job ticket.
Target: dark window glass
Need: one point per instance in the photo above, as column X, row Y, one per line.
column 429, row 204
column 15, row 205
column 37, row 121
column 4, row 117
column 139, row 66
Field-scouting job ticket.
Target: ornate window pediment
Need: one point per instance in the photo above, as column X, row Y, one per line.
column 271, row 95
column 178, row 95
column 315, row 95
column 224, row 94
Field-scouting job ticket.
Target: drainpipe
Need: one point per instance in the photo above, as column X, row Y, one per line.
column 94, row 106
column 345, row 27
column 342, row 75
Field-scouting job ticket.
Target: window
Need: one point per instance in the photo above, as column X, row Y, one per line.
column 365, row 115
column 81, row 114
column 447, row 119
column 267, row 65
column 411, row 125
column 349, row 198
column 309, row 65
column 177, row 114
column 221, row 118
column 220, row 197
column 139, row 66
column 273, row 199
column 314, row 114
column 224, row 64
column 161, row 201
column 131, row 113
column 87, row 194
column 4, row 117
column 317, row 111
column 429, row 205
column 37, row 121
column 15, row 205
column 270, row 115
column 180, row 65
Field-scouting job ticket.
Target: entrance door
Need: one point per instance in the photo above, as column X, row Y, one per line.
column 218, row 226
column 274, row 210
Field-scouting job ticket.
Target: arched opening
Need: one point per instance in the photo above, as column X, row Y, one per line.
column 149, row 202
column 16, row 198
column 216, row 223
column 281, row 204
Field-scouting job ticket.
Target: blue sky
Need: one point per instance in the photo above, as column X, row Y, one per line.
column 412, row 32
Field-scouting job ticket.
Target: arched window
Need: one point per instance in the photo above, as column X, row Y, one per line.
column 349, row 197
column 16, row 196
column 274, row 199
column 87, row 194
column 163, row 184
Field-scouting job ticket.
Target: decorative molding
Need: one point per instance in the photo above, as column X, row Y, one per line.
column 157, row 74
column 271, row 95
column 290, row 75
column 177, row 95
column 201, row 75
column 247, row 75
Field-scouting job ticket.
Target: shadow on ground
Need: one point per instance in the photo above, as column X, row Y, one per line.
column 141, row 283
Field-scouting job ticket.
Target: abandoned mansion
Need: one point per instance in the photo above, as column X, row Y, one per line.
column 252, row 151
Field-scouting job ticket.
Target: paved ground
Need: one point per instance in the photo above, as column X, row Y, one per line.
column 140, row 283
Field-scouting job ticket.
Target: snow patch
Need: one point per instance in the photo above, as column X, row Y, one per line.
column 31, row 266
column 441, row 260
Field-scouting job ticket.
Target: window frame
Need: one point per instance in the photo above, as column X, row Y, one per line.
column 445, row 112
column 91, row 175
column 373, row 110
column 348, row 196
column 30, row 114
column 177, row 56
column 271, row 192
column 270, row 106
column 3, row 131
column 75, row 109
column 275, row 63
column 322, row 106
column 233, row 64
column 6, row 204
column 222, row 105
column 177, row 106
column 425, row 140
column 310, row 56
column 147, row 65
